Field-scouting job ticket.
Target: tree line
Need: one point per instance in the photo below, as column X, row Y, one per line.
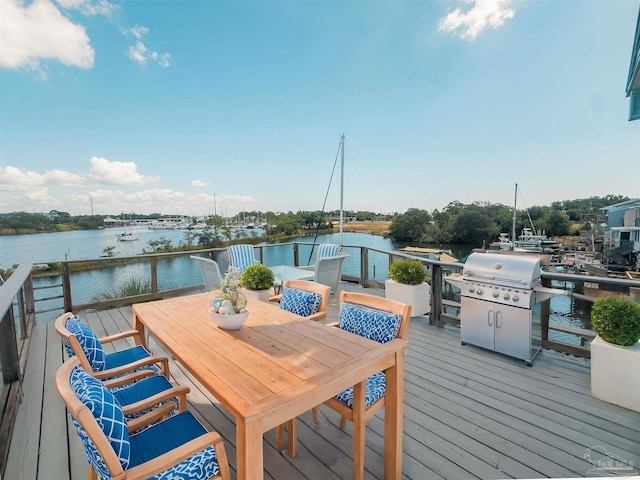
column 472, row 223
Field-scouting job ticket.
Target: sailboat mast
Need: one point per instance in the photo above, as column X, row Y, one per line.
column 513, row 225
column 342, row 192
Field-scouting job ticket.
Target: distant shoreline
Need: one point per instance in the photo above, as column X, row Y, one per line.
column 374, row 228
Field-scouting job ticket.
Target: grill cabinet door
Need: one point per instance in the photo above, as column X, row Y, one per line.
column 477, row 322
column 513, row 331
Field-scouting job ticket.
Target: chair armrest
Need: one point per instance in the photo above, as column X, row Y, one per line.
column 317, row 316
column 177, row 455
column 129, row 378
column 179, row 392
column 308, row 267
column 119, row 336
column 119, row 371
column 276, row 298
column 333, row 324
column 154, row 415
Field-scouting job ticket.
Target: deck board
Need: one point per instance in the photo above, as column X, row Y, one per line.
column 469, row 413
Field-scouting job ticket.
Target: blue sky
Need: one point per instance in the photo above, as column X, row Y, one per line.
column 159, row 106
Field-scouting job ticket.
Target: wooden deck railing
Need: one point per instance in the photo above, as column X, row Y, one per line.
column 445, row 306
column 16, row 321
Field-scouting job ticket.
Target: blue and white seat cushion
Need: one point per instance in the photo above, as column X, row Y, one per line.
column 145, row 388
column 89, row 342
column 241, row 256
column 95, row 354
column 375, row 389
column 169, row 434
column 370, row 323
column 328, row 250
column 108, row 414
column 300, row 302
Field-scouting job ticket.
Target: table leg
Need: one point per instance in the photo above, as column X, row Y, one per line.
column 249, row 451
column 144, row 336
column 394, row 397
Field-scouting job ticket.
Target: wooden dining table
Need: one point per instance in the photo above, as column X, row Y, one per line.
column 276, row 366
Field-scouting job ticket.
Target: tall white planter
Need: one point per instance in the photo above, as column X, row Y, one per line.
column 261, row 295
column 418, row 296
column 615, row 373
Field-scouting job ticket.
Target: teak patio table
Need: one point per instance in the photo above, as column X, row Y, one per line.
column 276, row 366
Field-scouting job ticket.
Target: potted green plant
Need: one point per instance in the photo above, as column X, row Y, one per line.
column 615, row 352
column 407, row 284
column 257, row 280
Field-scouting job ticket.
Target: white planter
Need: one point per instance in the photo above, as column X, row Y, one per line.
column 418, row 296
column 261, row 295
column 614, row 373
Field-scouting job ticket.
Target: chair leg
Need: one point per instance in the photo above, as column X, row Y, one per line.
column 92, row 475
column 343, row 422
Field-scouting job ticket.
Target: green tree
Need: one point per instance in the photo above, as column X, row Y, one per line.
column 410, row 226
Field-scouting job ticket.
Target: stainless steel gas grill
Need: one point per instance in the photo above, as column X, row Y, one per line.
column 500, row 303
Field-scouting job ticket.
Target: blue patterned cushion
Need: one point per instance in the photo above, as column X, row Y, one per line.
column 376, row 387
column 328, row 250
column 140, row 390
column 241, row 256
column 108, row 413
column 370, row 323
column 300, row 302
column 89, row 342
column 169, row 434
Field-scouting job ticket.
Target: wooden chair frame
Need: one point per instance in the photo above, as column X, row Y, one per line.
column 360, row 415
column 162, row 362
column 87, row 421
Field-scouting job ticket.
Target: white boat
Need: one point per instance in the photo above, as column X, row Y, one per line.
column 529, row 240
column 127, row 235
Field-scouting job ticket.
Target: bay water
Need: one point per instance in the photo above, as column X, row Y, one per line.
column 181, row 271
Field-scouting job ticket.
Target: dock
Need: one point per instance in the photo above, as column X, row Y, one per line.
column 468, row 414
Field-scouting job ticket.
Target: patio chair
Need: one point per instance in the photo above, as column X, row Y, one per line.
column 241, row 256
column 210, row 273
column 325, row 250
column 328, row 271
column 176, row 447
column 80, row 341
column 308, row 300
column 378, row 319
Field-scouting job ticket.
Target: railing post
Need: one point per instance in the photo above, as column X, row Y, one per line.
column 436, row 295
column 66, row 287
column 545, row 310
column 154, row 274
column 296, row 254
column 364, row 267
column 9, row 349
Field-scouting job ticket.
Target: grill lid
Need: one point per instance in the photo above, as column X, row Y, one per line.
column 501, row 269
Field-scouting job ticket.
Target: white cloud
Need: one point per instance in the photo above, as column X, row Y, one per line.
column 90, row 7
column 481, row 14
column 118, row 173
column 30, row 34
column 199, row 183
column 140, row 53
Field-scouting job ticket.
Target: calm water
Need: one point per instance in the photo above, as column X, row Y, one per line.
column 173, row 273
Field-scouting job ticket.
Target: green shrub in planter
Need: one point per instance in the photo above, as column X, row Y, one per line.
column 409, row 272
column 616, row 320
column 257, row 277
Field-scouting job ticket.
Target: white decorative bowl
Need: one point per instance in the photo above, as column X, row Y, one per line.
column 228, row 322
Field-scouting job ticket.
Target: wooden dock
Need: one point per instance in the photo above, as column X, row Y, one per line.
column 469, row 413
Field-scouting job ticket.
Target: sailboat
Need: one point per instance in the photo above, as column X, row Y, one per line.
column 529, row 240
column 127, row 235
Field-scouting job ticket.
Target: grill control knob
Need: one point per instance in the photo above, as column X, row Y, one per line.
column 496, row 294
column 516, row 298
column 479, row 291
column 471, row 289
column 506, row 296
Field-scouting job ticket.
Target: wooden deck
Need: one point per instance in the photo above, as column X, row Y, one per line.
column 469, row 413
